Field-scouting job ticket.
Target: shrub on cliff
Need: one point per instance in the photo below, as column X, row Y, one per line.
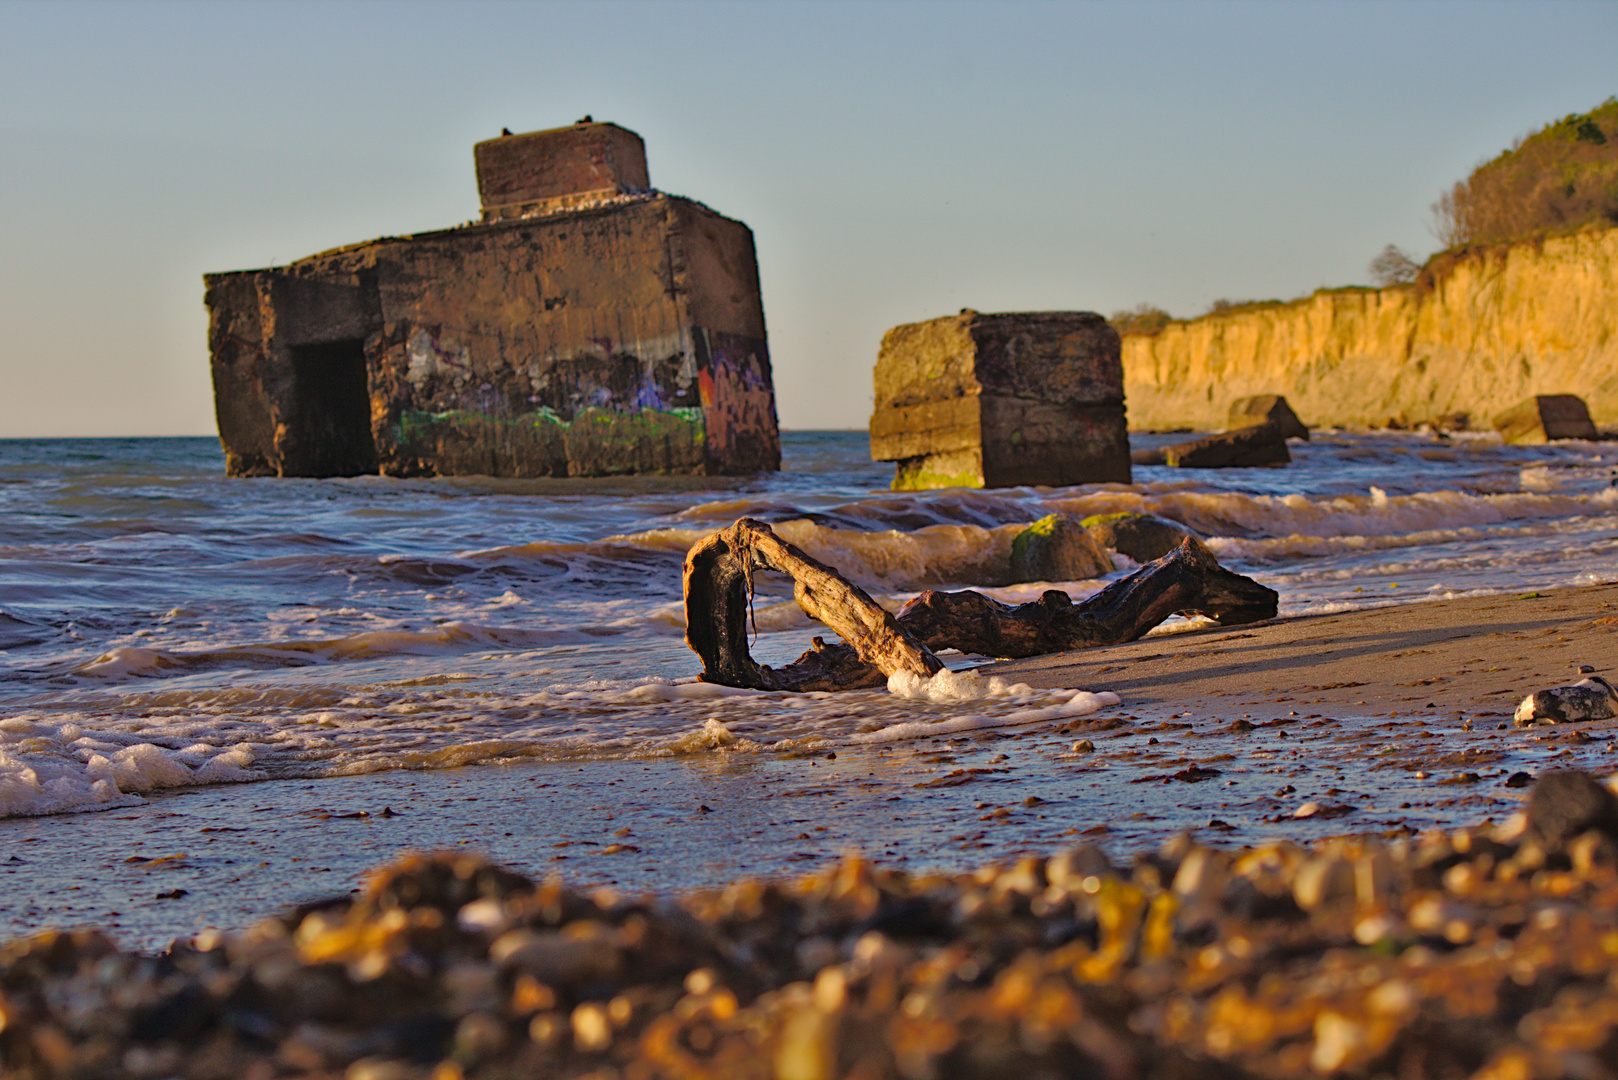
column 1141, row 319
column 1559, row 179
column 1233, row 307
column 1394, row 267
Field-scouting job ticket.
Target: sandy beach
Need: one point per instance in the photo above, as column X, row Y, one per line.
column 1392, row 720
column 1393, row 922
column 1478, row 656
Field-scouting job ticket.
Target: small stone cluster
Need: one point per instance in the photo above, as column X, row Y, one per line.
column 1478, row 953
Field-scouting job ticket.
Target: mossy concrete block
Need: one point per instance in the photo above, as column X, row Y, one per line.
column 1266, row 409
column 975, row 400
column 1545, row 417
column 1142, row 537
column 1057, row 548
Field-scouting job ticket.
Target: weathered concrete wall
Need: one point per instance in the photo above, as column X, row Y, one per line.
column 518, row 174
column 617, row 339
column 975, row 400
column 1484, row 331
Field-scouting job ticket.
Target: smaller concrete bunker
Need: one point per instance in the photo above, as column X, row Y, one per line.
column 975, row 400
column 587, row 325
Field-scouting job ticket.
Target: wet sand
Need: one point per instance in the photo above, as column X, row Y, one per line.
column 1379, row 722
column 1477, row 655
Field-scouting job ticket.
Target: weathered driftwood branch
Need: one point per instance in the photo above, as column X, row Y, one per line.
column 1186, row 581
column 718, row 589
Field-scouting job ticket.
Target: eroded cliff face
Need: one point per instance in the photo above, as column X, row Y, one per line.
column 1479, row 333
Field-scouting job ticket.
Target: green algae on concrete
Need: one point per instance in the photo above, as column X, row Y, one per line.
column 596, row 442
column 962, row 468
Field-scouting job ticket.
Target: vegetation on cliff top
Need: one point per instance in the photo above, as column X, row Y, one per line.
column 1559, row 179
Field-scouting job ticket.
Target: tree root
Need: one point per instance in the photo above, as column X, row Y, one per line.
column 718, row 591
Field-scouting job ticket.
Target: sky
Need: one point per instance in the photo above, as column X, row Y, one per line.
column 896, row 161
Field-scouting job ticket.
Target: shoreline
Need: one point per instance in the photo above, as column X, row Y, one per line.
column 1477, row 655
column 1387, row 721
column 1378, row 914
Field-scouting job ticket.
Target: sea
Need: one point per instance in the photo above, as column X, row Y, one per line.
column 183, row 646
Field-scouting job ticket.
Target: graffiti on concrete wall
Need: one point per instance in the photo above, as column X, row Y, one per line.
column 733, row 374
column 610, row 409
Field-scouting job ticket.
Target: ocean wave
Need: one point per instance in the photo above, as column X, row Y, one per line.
column 1377, row 514
column 118, row 748
column 134, row 662
column 936, row 543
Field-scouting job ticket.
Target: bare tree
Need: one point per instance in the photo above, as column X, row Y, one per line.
column 1451, row 222
column 1393, row 267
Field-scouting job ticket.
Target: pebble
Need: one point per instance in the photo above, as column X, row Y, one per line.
column 1489, row 952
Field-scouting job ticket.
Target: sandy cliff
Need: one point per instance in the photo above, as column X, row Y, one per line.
column 1480, row 331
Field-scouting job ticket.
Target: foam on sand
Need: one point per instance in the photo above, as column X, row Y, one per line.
column 59, row 768
column 1026, row 705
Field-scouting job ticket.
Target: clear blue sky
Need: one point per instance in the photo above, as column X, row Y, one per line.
column 896, row 161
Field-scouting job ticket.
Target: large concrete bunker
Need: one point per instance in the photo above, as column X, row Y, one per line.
column 588, row 325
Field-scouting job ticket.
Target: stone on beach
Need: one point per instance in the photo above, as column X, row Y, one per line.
column 1057, row 548
column 1544, row 418
column 1266, row 409
column 1588, row 699
column 1565, row 803
column 974, row 400
column 1460, row 954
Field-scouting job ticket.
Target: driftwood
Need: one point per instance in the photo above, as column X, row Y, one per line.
column 718, row 595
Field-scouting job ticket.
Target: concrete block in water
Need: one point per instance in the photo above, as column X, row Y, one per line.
column 1545, row 417
column 974, row 400
column 587, row 326
column 1266, row 408
column 1244, row 448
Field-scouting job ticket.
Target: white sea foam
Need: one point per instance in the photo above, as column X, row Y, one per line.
column 58, row 768
column 955, row 687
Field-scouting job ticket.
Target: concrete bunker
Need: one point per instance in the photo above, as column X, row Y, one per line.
column 586, row 325
column 979, row 400
column 331, row 409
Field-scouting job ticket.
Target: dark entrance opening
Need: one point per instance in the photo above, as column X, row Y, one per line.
column 329, row 422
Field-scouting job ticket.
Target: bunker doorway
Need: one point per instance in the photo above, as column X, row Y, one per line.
column 329, row 421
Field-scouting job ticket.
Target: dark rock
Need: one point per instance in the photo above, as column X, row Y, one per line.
column 1266, row 409
column 1249, row 447
column 1565, row 803
column 975, row 400
column 1143, row 537
column 1545, row 417
column 1452, row 421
